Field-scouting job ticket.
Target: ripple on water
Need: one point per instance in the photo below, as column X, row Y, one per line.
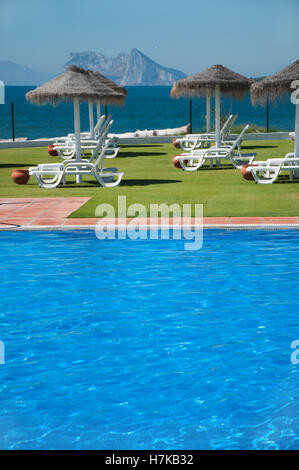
column 142, row 345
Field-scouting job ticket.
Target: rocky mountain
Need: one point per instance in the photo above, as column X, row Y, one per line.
column 15, row 74
column 134, row 68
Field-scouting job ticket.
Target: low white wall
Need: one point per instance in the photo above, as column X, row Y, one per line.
column 144, row 140
column 168, row 139
column 25, row 144
column 265, row 136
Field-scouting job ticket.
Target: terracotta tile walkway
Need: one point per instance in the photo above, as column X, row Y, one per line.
column 26, row 212
column 53, row 212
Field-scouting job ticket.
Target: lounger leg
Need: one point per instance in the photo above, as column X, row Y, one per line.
column 52, row 183
column 107, row 181
column 268, row 180
column 195, row 166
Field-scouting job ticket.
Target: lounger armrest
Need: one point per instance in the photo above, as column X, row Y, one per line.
column 73, row 163
column 216, row 150
column 244, row 155
column 72, row 160
column 64, row 146
column 287, row 161
column 256, row 168
column 91, row 141
column 192, row 138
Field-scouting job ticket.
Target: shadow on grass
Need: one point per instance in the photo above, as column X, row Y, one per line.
column 124, row 182
column 140, row 154
column 16, row 165
column 251, row 147
column 139, row 145
column 216, row 168
column 146, row 182
column 284, row 179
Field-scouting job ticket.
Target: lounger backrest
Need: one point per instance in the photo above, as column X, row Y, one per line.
column 103, row 145
column 99, row 123
column 107, row 121
column 228, row 128
column 101, row 142
column 222, row 130
column 239, row 138
column 99, row 163
column 103, row 128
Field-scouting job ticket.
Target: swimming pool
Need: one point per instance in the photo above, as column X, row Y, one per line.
column 141, row 345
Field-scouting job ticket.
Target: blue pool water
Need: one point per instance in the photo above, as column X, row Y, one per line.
column 123, row 344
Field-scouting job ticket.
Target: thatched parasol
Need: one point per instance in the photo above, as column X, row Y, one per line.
column 278, row 86
column 111, row 84
column 76, row 85
column 216, row 79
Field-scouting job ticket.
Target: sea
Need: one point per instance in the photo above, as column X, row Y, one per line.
column 145, row 108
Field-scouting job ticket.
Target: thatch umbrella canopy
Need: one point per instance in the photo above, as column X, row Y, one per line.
column 76, row 85
column 276, row 87
column 216, row 79
column 110, row 83
column 75, row 82
column 230, row 83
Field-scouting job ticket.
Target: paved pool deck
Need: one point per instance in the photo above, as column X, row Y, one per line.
column 52, row 213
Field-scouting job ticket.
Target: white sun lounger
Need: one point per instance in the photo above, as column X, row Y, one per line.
column 60, row 142
column 50, row 175
column 84, row 135
column 192, row 161
column 194, row 141
column 66, row 146
column 98, row 128
column 266, row 172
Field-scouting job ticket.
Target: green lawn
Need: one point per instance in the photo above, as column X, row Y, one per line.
column 150, row 177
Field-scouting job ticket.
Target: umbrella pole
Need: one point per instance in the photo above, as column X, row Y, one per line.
column 297, row 131
column 91, row 123
column 217, row 115
column 77, row 134
column 98, row 110
column 190, row 114
column 208, row 112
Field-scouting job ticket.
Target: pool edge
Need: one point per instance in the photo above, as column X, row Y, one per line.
column 265, row 226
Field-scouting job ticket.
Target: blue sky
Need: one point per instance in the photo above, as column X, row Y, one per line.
column 253, row 37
